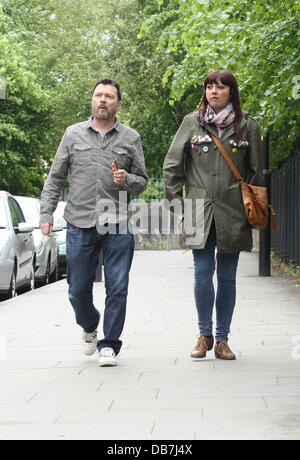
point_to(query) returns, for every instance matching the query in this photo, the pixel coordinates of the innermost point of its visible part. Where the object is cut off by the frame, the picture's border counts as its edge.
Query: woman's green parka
(208, 177)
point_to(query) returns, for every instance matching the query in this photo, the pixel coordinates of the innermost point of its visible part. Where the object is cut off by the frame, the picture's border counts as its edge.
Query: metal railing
(285, 193)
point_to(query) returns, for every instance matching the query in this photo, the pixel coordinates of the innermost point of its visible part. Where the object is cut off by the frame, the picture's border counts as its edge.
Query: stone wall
(152, 231)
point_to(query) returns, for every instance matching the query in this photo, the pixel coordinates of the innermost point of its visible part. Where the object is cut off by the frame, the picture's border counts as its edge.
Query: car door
(52, 243)
(24, 246)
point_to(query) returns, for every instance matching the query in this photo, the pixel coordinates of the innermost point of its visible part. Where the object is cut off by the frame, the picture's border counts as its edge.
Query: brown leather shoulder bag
(255, 198)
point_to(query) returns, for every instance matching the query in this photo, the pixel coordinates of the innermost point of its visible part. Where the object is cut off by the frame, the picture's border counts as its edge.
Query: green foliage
(154, 190)
(23, 107)
(69, 45)
(52, 52)
(257, 40)
(285, 268)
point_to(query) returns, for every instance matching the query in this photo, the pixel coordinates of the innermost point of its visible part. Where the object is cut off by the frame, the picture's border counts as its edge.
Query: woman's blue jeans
(204, 262)
(82, 253)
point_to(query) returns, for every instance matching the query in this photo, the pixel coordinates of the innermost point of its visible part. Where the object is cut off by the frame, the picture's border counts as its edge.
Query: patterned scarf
(222, 119)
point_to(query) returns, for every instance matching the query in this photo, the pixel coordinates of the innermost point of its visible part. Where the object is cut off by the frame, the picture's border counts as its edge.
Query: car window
(13, 214)
(3, 219)
(16, 213)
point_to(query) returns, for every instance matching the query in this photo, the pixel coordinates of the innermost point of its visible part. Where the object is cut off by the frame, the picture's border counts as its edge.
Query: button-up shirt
(93, 195)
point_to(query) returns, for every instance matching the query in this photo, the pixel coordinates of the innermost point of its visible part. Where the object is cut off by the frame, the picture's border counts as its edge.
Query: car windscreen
(60, 221)
(3, 219)
(58, 216)
(30, 212)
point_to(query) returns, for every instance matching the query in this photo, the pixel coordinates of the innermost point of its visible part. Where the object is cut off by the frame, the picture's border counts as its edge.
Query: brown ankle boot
(203, 345)
(223, 351)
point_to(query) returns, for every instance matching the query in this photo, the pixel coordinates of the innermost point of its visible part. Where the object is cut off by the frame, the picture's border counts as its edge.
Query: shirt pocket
(82, 154)
(121, 156)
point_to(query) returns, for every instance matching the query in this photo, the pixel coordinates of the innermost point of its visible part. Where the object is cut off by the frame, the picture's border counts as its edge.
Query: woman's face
(217, 95)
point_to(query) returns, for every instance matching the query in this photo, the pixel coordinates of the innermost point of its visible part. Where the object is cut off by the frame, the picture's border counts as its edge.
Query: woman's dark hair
(109, 81)
(228, 79)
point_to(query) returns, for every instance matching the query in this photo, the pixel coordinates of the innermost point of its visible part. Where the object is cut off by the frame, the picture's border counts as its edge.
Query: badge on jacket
(199, 144)
(238, 145)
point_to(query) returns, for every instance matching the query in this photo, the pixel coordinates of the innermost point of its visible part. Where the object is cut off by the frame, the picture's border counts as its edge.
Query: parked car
(17, 252)
(46, 247)
(61, 239)
(61, 236)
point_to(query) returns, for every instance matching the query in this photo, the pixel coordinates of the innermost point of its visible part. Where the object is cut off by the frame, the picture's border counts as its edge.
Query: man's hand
(120, 176)
(46, 229)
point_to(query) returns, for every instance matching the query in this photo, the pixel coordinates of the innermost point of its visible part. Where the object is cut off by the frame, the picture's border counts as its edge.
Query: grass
(285, 268)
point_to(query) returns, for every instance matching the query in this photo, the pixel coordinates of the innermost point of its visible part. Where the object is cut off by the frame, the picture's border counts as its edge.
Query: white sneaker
(107, 357)
(89, 342)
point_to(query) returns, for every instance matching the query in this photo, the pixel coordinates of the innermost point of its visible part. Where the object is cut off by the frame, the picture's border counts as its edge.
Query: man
(88, 150)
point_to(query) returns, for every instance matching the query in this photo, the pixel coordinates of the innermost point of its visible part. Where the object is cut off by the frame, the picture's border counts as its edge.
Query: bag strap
(239, 177)
(227, 159)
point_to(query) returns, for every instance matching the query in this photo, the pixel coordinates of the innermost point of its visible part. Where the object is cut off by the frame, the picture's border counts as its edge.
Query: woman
(194, 160)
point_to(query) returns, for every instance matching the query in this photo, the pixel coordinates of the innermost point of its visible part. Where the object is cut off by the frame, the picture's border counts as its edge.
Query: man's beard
(101, 115)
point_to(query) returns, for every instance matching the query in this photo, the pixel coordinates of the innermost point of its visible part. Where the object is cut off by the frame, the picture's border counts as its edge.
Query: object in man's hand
(115, 165)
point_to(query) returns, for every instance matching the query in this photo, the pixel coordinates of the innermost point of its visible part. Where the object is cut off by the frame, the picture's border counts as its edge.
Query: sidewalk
(49, 390)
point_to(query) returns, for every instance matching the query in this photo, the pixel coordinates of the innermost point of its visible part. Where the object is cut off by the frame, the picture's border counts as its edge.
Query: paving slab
(49, 390)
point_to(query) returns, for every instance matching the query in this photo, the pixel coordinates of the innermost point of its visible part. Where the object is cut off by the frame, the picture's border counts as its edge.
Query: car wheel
(54, 275)
(32, 278)
(46, 279)
(12, 292)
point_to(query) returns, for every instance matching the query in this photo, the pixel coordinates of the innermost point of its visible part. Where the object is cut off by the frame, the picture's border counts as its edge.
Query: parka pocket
(196, 193)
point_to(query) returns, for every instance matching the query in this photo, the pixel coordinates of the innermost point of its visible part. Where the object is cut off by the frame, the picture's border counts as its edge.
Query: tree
(52, 53)
(23, 107)
(136, 63)
(257, 40)
(70, 44)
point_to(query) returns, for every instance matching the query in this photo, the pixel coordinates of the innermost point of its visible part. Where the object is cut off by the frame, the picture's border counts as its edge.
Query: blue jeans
(204, 262)
(82, 253)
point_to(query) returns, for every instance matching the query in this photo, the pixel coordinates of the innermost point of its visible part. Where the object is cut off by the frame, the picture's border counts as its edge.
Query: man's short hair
(109, 81)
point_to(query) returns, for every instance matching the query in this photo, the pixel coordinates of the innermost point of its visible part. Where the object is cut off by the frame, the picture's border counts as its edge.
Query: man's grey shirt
(88, 155)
